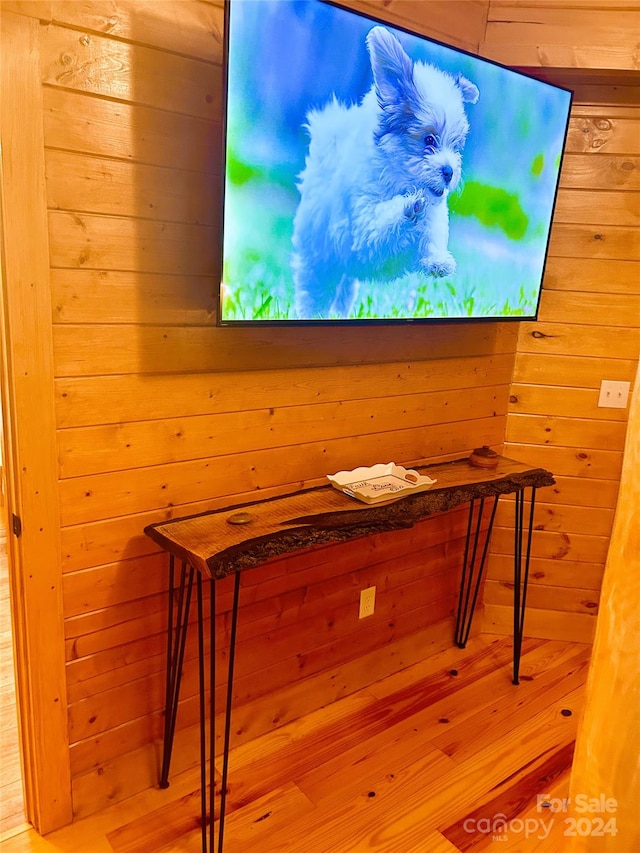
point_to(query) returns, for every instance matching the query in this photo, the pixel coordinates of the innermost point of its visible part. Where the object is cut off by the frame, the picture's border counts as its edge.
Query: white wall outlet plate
(613, 395)
(367, 602)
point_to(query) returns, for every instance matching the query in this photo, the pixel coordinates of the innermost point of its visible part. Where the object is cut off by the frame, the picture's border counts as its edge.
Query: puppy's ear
(392, 70)
(470, 93)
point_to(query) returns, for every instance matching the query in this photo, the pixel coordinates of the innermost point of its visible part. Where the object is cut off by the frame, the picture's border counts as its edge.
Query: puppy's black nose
(447, 174)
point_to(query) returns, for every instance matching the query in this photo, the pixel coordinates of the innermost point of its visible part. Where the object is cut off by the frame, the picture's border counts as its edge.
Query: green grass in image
(258, 283)
(257, 276)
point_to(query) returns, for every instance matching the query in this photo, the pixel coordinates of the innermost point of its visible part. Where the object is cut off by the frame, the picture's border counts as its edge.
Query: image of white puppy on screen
(377, 176)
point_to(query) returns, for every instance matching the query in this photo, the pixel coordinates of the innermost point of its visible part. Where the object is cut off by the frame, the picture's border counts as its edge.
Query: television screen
(375, 175)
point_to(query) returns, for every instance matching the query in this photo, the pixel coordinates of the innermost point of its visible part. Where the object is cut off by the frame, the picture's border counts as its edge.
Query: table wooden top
(217, 546)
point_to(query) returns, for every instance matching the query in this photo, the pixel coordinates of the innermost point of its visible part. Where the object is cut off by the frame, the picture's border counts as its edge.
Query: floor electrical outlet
(367, 601)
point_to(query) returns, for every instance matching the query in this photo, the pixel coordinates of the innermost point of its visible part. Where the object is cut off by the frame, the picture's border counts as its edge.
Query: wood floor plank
(483, 646)
(548, 835)
(275, 811)
(514, 708)
(418, 798)
(422, 730)
(157, 828)
(332, 731)
(343, 821)
(434, 842)
(160, 830)
(499, 817)
(395, 768)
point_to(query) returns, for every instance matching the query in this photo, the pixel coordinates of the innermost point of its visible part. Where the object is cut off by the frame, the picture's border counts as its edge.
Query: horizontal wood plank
(578, 627)
(436, 20)
(499, 8)
(568, 339)
(92, 450)
(87, 184)
(598, 207)
(561, 516)
(586, 241)
(599, 131)
(578, 371)
(566, 432)
(594, 110)
(548, 572)
(582, 492)
(104, 542)
(591, 274)
(89, 241)
(130, 72)
(528, 35)
(93, 400)
(603, 466)
(79, 296)
(79, 123)
(505, 49)
(564, 599)
(605, 172)
(206, 348)
(562, 402)
(102, 496)
(580, 547)
(619, 309)
(195, 32)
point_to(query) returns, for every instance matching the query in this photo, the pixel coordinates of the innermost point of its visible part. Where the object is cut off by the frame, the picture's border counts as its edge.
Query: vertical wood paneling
(28, 372)
(609, 733)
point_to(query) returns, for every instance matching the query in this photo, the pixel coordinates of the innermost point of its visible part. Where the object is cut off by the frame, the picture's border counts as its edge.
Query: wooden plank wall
(564, 34)
(159, 413)
(589, 321)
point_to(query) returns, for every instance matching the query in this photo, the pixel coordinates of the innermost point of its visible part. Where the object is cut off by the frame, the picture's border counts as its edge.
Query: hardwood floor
(430, 760)
(12, 814)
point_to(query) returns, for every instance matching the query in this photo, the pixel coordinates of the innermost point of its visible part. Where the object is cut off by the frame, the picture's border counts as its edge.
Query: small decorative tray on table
(380, 483)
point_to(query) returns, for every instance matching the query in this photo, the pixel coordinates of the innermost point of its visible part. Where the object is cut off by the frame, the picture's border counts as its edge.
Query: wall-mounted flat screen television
(375, 175)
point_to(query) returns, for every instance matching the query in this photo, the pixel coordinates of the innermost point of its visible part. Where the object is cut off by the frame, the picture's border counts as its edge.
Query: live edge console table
(215, 544)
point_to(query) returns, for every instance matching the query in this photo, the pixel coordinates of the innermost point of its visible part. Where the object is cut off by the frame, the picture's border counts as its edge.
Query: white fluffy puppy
(373, 193)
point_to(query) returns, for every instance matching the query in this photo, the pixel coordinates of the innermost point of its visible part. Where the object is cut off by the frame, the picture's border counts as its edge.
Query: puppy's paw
(414, 206)
(440, 265)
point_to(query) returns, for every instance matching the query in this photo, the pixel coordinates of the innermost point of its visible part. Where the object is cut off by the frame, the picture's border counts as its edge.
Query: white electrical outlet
(367, 602)
(613, 395)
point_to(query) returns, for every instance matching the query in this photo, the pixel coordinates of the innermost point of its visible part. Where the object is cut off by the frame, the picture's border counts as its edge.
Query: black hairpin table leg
(207, 803)
(177, 623)
(472, 569)
(202, 715)
(520, 579)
